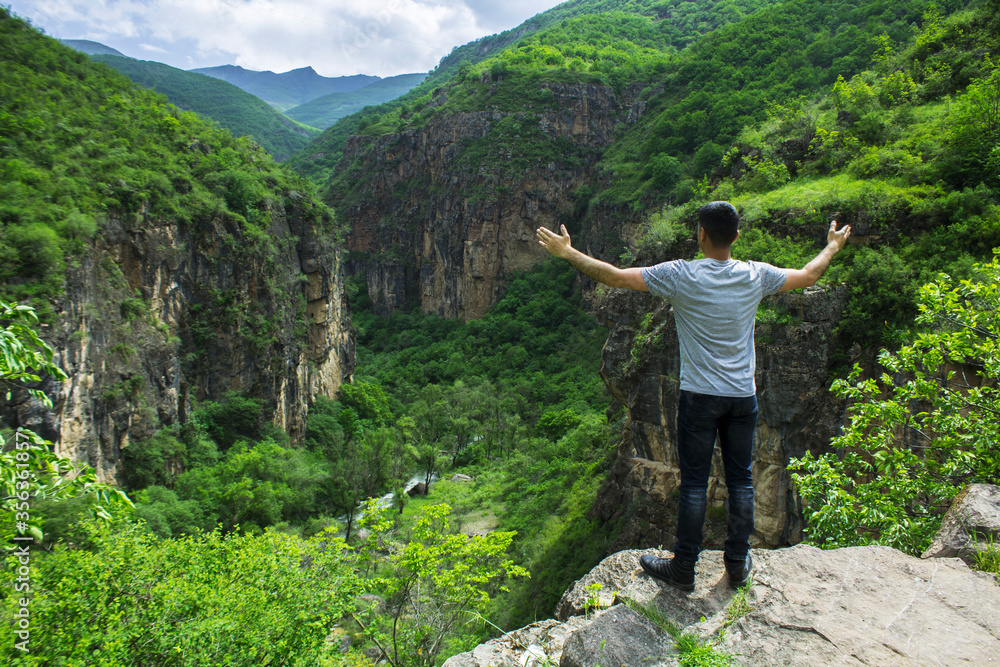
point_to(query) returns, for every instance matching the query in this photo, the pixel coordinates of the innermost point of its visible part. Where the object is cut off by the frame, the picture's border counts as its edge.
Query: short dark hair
(721, 221)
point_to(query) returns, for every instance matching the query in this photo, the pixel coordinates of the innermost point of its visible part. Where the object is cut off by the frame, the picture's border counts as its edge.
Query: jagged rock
(971, 525)
(470, 224)
(859, 605)
(520, 648)
(151, 321)
(611, 576)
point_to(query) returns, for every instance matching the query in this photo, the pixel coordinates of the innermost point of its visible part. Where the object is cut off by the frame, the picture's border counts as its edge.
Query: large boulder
(970, 526)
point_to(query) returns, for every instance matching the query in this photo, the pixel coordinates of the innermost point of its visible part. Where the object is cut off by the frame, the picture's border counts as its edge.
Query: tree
(920, 431)
(29, 468)
(359, 470)
(434, 585)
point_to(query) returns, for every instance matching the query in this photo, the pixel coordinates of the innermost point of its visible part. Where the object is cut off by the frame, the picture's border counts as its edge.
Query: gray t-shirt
(715, 303)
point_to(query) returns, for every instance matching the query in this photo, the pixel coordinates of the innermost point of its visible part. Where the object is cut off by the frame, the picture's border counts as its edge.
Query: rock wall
(160, 315)
(641, 366)
(429, 227)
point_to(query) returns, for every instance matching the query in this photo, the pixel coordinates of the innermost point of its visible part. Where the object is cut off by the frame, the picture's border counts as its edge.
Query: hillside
(287, 89)
(170, 262)
(323, 112)
(602, 122)
(230, 107)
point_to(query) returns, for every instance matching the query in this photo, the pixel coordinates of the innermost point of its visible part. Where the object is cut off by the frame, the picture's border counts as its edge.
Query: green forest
(229, 542)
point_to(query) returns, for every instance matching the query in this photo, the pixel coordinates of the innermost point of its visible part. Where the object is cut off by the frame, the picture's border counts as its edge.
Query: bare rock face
(804, 606)
(447, 242)
(970, 526)
(161, 314)
(641, 366)
(866, 605)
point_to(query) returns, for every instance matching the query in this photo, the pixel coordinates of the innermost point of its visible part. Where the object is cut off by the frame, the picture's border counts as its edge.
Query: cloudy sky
(335, 37)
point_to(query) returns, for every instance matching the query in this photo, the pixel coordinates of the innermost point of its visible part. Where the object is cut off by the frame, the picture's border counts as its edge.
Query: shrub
(919, 431)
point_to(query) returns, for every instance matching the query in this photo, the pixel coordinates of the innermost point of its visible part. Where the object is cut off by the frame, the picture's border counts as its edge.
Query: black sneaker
(677, 574)
(739, 572)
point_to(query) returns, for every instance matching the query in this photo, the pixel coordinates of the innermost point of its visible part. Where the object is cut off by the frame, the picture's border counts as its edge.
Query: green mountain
(239, 112)
(288, 89)
(327, 110)
(92, 48)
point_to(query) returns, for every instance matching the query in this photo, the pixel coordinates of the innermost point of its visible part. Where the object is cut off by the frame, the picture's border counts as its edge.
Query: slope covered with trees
(80, 142)
(231, 108)
(681, 23)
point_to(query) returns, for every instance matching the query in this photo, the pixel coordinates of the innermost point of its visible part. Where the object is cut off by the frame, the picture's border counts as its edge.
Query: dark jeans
(699, 419)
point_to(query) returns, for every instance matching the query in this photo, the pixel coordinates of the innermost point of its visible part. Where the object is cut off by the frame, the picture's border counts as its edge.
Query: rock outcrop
(641, 366)
(161, 314)
(972, 525)
(433, 225)
(804, 606)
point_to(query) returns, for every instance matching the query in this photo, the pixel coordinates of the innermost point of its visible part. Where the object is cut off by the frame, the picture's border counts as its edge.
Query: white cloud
(336, 37)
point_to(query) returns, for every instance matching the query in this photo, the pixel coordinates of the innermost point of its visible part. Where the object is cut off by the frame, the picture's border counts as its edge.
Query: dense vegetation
(231, 108)
(917, 437)
(900, 151)
(327, 110)
(80, 144)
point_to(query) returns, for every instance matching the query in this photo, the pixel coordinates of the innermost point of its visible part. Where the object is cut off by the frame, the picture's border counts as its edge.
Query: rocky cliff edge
(805, 606)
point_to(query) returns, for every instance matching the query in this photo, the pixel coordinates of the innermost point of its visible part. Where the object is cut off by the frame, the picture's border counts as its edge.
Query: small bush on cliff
(919, 432)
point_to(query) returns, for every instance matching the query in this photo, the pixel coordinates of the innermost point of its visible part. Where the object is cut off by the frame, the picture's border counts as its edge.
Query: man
(715, 302)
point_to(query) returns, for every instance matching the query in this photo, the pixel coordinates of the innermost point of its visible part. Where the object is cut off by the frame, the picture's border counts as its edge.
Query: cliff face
(160, 315)
(641, 367)
(447, 210)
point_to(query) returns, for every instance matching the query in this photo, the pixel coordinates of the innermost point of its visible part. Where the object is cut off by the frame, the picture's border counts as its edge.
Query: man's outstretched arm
(817, 266)
(559, 245)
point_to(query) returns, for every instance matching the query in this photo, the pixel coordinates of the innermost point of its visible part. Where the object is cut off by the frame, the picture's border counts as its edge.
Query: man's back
(715, 303)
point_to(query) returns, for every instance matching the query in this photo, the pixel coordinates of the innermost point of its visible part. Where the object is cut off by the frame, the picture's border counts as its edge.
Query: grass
(739, 606)
(809, 199)
(692, 650)
(988, 560)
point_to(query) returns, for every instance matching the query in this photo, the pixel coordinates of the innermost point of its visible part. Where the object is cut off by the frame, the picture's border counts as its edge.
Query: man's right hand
(557, 244)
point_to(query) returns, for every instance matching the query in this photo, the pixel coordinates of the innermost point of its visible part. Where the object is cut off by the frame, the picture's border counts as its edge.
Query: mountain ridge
(286, 90)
